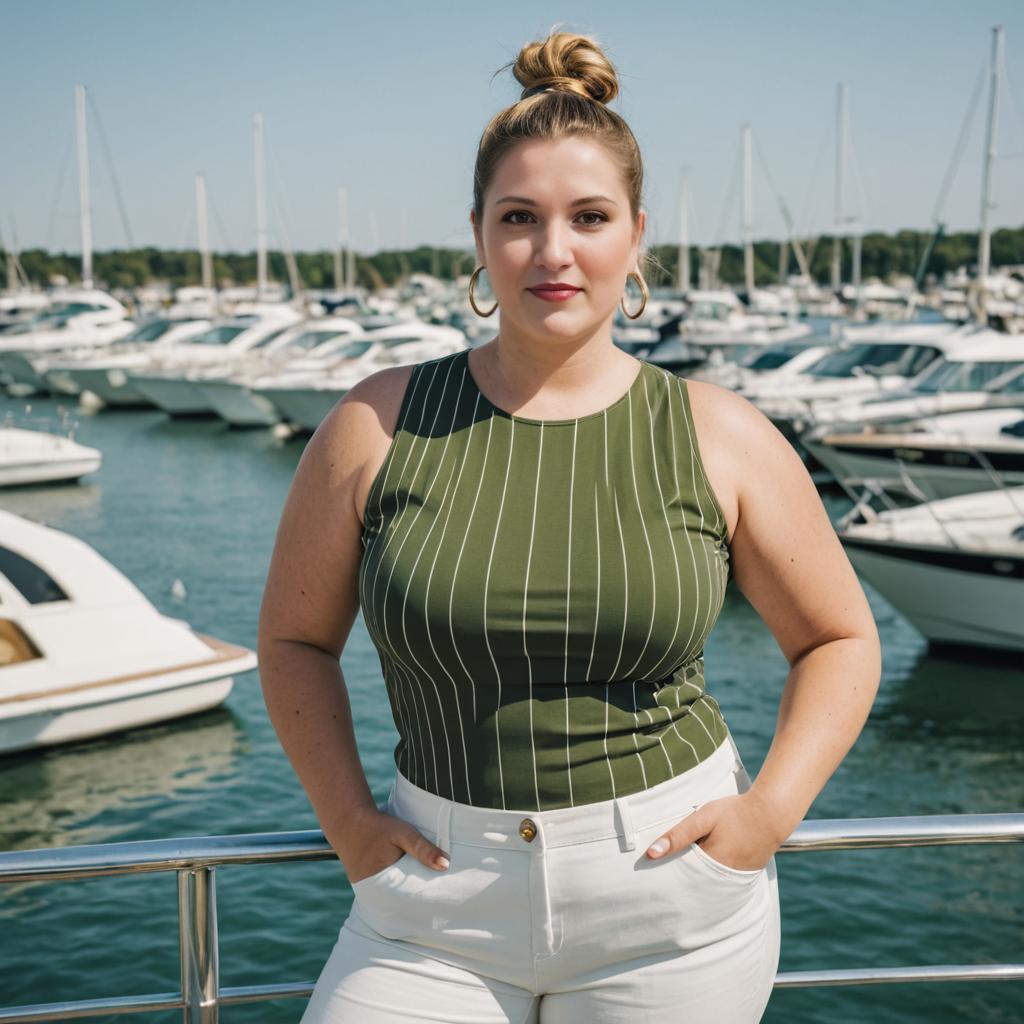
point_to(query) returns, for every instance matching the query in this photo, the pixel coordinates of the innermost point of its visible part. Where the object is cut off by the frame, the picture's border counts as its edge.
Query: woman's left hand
(737, 831)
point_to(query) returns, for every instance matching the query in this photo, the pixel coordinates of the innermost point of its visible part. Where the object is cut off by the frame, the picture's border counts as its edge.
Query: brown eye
(593, 213)
(514, 213)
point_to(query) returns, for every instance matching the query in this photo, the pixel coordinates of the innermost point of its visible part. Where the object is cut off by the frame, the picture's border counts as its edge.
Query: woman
(539, 532)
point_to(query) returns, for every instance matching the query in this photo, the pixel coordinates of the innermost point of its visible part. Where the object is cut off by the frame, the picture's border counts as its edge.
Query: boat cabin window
(876, 359)
(35, 585)
(262, 343)
(218, 335)
(15, 646)
(151, 331)
(944, 375)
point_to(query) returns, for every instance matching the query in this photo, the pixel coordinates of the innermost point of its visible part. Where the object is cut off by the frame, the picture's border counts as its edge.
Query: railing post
(199, 954)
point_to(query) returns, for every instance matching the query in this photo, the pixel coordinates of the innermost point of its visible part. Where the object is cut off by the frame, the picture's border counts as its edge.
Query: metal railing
(196, 859)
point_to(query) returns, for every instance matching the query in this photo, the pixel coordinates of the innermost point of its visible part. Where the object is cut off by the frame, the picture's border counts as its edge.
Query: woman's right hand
(374, 839)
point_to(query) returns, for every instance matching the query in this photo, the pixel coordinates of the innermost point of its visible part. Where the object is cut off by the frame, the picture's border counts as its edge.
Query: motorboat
(937, 456)
(38, 457)
(859, 369)
(75, 319)
(963, 378)
(168, 382)
(717, 318)
(953, 567)
(308, 348)
(303, 400)
(756, 366)
(104, 373)
(84, 653)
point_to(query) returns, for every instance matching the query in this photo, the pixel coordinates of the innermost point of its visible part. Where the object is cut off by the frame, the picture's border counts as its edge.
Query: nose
(554, 250)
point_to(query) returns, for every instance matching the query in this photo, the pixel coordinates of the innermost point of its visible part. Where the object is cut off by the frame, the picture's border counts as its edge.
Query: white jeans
(575, 925)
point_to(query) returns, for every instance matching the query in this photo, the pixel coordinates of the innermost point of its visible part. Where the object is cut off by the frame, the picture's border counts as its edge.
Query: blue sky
(389, 100)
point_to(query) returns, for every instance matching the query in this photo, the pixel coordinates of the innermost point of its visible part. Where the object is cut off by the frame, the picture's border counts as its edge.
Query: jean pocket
(725, 870)
(377, 875)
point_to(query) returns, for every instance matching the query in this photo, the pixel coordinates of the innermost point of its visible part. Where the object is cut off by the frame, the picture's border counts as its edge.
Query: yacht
(937, 456)
(76, 319)
(39, 457)
(304, 399)
(852, 370)
(170, 383)
(309, 348)
(963, 378)
(83, 652)
(953, 567)
(103, 373)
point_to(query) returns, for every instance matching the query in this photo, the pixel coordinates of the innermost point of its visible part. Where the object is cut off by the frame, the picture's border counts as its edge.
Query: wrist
(777, 816)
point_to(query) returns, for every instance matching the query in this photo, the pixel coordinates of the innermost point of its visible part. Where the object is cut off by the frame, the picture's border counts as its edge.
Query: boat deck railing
(195, 860)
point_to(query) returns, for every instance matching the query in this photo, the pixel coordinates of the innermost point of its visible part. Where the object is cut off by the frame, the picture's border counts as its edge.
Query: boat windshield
(219, 335)
(876, 359)
(311, 339)
(1011, 383)
(151, 331)
(770, 358)
(55, 316)
(949, 376)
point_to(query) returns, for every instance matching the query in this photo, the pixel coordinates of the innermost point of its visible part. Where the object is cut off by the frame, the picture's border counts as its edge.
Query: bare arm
(310, 602)
(789, 563)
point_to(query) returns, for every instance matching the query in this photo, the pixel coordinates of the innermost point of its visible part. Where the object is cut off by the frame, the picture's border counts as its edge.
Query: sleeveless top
(539, 592)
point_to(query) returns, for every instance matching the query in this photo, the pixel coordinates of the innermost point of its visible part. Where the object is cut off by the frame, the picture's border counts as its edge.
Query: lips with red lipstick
(554, 291)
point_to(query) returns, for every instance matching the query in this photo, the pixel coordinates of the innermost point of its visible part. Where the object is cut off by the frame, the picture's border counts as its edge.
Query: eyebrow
(576, 202)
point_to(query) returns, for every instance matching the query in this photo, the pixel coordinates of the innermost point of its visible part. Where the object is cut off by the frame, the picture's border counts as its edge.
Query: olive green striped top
(539, 592)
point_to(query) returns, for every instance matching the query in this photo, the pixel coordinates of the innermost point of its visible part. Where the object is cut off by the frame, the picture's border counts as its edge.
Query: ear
(478, 239)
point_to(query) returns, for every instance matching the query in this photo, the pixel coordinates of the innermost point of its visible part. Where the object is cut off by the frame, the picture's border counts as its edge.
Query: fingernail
(442, 862)
(660, 846)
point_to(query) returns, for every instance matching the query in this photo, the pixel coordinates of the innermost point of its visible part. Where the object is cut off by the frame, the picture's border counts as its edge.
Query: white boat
(83, 652)
(37, 457)
(954, 567)
(962, 379)
(308, 348)
(718, 318)
(170, 386)
(934, 457)
(760, 366)
(83, 318)
(104, 372)
(304, 399)
(852, 370)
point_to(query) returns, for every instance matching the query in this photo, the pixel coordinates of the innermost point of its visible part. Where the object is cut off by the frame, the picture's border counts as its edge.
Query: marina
(158, 858)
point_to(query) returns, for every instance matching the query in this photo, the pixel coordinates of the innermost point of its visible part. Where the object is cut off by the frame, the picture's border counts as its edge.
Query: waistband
(561, 826)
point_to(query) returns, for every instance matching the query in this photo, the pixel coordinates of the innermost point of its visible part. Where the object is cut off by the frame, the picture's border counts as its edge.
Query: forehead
(557, 170)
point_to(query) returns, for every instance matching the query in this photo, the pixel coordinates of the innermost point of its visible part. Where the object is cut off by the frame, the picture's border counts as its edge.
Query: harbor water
(196, 502)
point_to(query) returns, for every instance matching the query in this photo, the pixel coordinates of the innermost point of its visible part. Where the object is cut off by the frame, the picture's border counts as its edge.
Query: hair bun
(567, 62)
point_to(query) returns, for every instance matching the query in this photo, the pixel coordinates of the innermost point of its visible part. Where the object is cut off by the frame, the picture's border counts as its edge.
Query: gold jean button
(527, 829)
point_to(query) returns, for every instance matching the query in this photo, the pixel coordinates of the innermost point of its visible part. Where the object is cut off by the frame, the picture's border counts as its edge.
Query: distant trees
(881, 256)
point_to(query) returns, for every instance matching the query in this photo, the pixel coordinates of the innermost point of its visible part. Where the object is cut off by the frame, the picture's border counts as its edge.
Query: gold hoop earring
(643, 289)
(472, 301)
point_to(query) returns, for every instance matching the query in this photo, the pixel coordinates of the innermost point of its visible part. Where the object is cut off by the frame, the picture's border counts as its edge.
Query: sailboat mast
(984, 235)
(748, 215)
(85, 212)
(837, 240)
(205, 257)
(683, 275)
(340, 284)
(261, 209)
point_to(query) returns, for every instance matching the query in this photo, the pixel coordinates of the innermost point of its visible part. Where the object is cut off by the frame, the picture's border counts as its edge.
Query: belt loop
(444, 818)
(625, 821)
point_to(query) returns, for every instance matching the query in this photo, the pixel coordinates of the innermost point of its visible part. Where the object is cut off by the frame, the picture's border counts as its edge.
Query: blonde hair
(567, 83)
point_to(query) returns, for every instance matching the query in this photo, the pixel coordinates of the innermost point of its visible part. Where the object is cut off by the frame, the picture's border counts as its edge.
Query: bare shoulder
(355, 435)
(739, 446)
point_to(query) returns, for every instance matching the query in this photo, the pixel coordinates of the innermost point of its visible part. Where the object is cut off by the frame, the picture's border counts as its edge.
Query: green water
(197, 502)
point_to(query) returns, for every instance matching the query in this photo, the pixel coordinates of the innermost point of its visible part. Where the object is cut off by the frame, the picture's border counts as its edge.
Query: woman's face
(557, 211)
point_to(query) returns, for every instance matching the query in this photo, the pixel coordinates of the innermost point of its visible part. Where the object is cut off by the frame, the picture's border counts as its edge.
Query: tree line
(882, 256)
